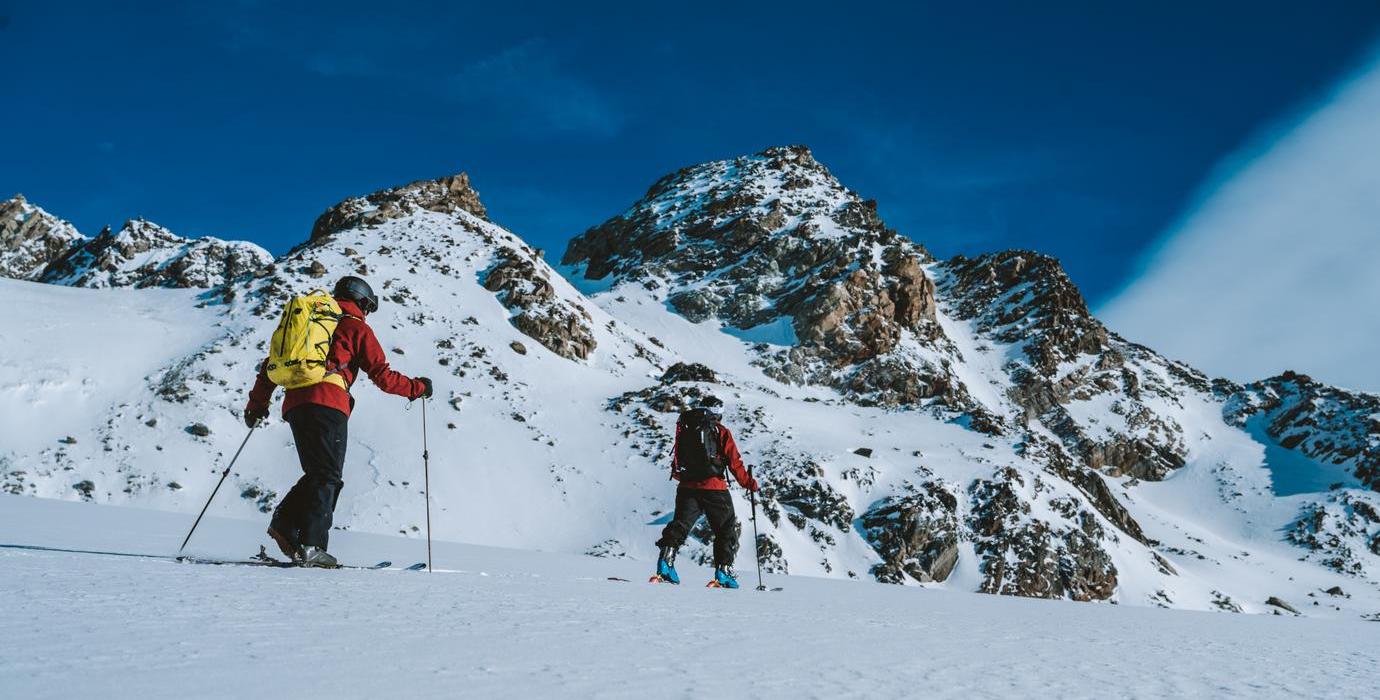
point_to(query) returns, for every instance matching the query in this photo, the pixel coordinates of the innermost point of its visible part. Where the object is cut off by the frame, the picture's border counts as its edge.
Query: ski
(277, 564)
(419, 566)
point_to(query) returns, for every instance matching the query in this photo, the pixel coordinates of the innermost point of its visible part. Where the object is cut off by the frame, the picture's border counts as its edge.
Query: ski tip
(419, 566)
(615, 578)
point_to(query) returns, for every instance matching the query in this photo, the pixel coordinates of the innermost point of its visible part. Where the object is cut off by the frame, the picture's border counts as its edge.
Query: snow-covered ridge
(34, 245)
(965, 424)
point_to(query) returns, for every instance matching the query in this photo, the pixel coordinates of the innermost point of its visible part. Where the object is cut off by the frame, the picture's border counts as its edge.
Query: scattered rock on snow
(1278, 603)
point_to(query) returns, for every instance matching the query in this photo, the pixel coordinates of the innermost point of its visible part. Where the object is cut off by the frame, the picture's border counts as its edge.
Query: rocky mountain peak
(756, 239)
(446, 195)
(31, 238)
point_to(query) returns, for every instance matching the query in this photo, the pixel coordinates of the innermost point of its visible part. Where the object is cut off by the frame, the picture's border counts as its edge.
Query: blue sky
(1082, 130)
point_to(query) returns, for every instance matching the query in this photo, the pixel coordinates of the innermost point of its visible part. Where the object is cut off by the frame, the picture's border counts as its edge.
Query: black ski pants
(305, 514)
(717, 506)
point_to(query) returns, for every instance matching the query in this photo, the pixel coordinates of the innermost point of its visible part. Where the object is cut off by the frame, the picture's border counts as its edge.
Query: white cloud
(1278, 266)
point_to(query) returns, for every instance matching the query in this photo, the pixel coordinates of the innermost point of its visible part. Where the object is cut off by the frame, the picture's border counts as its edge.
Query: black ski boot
(315, 558)
(287, 544)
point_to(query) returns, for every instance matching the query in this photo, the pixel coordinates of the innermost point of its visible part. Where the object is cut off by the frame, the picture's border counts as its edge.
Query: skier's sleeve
(370, 359)
(262, 392)
(735, 460)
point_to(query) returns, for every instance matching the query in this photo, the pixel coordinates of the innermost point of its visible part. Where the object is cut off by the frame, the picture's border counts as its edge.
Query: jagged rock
(1021, 296)
(31, 239)
(198, 429)
(445, 195)
(1325, 423)
(561, 327)
(144, 254)
(1336, 531)
(802, 493)
(689, 372)
(316, 269)
(518, 348)
(916, 535)
(1032, 557)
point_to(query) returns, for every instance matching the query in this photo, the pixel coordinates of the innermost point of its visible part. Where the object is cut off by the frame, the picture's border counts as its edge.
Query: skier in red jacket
(703, 450)
(319, 415)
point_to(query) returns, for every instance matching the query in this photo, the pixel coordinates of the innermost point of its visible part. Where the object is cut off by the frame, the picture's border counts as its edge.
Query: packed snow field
(496, 622)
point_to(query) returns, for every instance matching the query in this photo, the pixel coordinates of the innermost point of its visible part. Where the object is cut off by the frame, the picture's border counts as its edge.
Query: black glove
(426, 390)
(253, 416)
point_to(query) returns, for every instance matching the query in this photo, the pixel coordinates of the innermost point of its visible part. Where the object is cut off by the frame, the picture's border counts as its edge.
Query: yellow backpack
(297, 355)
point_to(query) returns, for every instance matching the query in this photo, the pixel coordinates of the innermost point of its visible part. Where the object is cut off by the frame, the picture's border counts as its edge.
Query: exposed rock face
(917, 535)
(144, 254)
(752, 240)
(538, 312)
(1033, 557)
(1026, 300)
(1341, 532)
(1325, 423)
(31, 239)
(445, 195)
(1024, 297)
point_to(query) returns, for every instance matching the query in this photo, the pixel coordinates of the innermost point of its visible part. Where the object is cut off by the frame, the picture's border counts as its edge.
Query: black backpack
(699, 455)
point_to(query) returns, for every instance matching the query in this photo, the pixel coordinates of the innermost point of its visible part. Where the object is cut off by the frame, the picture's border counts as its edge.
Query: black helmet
(712, 405)
(358, 291)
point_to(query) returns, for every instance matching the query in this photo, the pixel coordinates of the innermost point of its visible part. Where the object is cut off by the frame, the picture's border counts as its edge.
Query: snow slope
(1048, 457)
(499, 623)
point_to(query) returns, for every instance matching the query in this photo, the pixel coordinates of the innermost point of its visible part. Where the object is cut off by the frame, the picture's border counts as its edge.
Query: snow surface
(505, 623)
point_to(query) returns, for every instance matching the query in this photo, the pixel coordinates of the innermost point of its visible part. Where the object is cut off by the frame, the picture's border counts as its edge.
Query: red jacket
(728, 452)
(353, 349)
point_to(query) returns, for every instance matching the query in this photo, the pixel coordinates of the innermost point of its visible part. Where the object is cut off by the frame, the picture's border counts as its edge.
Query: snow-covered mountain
(965, 423)
(35, 245)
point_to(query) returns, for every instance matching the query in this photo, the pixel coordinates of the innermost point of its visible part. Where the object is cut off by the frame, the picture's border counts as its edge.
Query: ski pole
(223, 474)
(426, 486)
(756, 551)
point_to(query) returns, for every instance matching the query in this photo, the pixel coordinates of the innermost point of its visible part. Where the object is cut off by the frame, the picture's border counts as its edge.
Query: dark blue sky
(1081, 130)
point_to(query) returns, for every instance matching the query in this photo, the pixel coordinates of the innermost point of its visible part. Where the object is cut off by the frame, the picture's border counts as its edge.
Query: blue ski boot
(666, 567)
(723, 578)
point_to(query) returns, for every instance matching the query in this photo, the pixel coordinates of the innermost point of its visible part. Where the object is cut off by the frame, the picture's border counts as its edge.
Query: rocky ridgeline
(144, 254)
(445, 195)
(1330, 425)
(35, 245)
(31, 239)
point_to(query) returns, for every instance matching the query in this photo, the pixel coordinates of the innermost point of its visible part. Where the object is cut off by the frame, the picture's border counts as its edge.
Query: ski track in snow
(508, 623)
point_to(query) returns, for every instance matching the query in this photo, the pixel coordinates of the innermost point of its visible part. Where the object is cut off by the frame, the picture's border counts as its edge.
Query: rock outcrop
(31, 239)
(538, 312)
(445, 195)
(916, 535)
